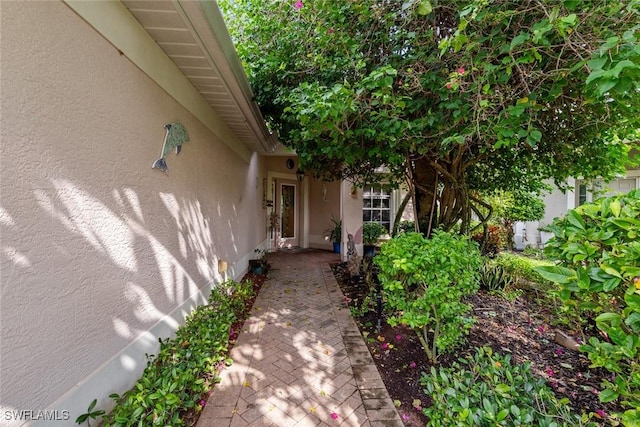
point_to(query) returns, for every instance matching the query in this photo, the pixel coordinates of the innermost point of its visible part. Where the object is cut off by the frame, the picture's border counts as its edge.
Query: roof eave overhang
(206, 23)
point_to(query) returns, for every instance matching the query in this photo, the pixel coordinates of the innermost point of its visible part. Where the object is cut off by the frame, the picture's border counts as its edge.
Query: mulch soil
(522, 327)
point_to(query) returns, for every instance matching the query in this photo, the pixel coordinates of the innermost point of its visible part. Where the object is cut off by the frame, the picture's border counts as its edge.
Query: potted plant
(260, 265)
(371, 232)
(335, 234)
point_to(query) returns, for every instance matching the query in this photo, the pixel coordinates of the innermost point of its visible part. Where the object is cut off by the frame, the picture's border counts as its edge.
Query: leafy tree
(452, 96)
(510, 207)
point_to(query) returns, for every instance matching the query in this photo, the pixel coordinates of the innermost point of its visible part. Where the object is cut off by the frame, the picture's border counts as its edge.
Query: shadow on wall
(77, 269)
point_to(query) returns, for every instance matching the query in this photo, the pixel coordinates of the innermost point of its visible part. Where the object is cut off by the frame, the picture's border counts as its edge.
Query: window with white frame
(377, 206)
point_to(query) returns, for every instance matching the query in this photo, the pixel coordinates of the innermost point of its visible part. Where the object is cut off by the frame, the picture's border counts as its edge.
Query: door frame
(280, 185)
(302, 205)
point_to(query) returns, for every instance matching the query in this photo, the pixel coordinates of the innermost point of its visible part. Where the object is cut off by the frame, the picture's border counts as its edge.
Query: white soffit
(194, 37)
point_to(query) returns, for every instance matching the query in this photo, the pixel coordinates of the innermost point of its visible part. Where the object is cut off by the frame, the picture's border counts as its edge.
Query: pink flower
(540, 329)
(331, 30)
(298, 5)
(412, 365)
(385, 346)
(203, 403)
(549, 371)
(559, 351)
(461, 70)
(334, 415)
(398, 337)
(405, 417)
(601, 414)
(449, 85)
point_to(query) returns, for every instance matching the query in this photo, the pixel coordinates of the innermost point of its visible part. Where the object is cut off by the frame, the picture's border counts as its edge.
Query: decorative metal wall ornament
(175, 136)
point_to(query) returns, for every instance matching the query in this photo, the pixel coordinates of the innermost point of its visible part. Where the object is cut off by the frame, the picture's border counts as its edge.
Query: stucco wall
(101, 254)
(322, 209)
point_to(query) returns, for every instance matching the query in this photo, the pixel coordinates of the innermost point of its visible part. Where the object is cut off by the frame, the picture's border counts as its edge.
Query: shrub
(186, 366)
(597, 246)
(510, 207)
(521, 267)
(496, 239)
(425, 281)
(531, 251)
(485, 389)
(406, 226)
(494, 278)
(371, 232)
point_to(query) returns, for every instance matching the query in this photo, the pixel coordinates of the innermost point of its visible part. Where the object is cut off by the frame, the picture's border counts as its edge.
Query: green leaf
(633, 301)
(610, 284)
(621, 66)
(570, 19)
(633, 321)
(464, 414)
(597, 63)
(536, 135)
(488, 407)
(503, 389)
(575, 219)
(610, 270)
(606, 85)
(607, 317)
(615, 208)
(425, 8)
(608, 396)
(557, 274)
(518, 40)
(572, 4)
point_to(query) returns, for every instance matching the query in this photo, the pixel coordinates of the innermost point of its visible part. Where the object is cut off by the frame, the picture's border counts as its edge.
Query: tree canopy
(452, 96)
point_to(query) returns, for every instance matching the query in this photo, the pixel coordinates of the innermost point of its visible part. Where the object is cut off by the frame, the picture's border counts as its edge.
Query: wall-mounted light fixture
(300, 174)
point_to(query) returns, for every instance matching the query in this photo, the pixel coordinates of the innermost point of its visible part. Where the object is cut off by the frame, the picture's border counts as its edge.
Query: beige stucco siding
(322, 209)
(99, 251)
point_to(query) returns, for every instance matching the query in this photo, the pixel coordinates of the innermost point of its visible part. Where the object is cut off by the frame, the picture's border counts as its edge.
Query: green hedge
(186, 366)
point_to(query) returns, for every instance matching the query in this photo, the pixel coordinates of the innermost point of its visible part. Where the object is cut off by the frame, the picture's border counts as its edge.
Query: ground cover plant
(485, 389)
(177, 381)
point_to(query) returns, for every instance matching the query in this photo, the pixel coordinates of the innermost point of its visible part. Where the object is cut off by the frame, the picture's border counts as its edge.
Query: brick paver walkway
(300, 359)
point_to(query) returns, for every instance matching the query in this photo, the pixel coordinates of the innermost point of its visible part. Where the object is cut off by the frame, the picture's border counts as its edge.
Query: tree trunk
(442, 198)
(399, 212)
(425, 183)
